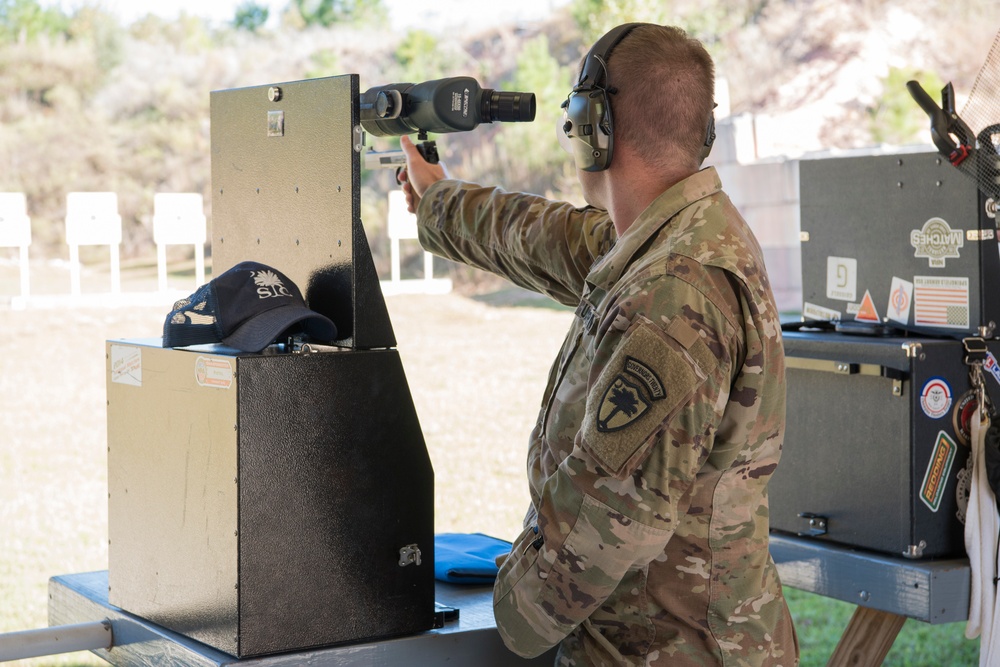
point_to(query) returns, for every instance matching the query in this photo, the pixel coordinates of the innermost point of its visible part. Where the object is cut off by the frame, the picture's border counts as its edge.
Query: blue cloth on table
(467, 558)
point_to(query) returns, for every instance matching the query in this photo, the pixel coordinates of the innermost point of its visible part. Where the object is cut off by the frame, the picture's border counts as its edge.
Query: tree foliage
(596, 17)
(531, 150)
(251, 16)
(895, 118)
(93, 105)
(326, 13)
(26, 21)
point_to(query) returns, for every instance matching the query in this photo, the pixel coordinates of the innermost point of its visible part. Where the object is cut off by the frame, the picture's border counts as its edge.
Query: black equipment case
(904, 239)
(877, 442)
(900, 260)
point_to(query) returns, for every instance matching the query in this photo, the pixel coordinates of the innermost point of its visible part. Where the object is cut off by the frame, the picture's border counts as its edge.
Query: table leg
(867, 638)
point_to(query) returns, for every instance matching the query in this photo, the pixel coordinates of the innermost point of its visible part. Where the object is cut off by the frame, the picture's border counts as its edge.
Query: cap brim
(260, 331)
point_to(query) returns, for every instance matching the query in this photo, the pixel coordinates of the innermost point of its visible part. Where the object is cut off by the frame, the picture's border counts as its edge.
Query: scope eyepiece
(456, 104)
(508, 107)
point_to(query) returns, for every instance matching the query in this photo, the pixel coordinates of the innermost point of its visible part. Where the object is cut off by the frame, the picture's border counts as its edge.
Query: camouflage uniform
(662, 421)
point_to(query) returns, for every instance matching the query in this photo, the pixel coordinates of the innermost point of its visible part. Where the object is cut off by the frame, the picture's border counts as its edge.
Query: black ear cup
(709, 136)
(588, 130)
(587, 118)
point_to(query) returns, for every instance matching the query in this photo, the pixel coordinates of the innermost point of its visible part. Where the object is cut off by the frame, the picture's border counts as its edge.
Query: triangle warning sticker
(867, 312)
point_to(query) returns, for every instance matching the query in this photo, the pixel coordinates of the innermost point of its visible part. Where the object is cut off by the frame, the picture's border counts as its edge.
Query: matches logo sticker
(936, 477)
(936, 241)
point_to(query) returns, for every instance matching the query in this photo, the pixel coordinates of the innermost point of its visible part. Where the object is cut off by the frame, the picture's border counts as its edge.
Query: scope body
(456, 104)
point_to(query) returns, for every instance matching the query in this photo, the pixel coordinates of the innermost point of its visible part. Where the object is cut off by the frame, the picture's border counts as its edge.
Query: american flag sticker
(941, 302)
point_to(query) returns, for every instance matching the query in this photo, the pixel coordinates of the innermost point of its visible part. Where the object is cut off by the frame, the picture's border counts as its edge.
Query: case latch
(409, 554)
(813, 525)
(915, 550)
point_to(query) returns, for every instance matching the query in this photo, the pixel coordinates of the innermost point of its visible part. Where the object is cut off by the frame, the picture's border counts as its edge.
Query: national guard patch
(630, 400)
(623, 403)
(647, 376)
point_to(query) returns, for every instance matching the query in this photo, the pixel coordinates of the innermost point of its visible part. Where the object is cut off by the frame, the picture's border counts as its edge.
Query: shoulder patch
(623, 404)
(647, 378)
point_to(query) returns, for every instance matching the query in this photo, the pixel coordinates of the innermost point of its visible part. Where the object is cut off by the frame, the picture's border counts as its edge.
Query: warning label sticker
(867, 311)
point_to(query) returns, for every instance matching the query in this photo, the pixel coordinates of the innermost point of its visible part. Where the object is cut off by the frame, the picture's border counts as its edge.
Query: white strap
(982, 524)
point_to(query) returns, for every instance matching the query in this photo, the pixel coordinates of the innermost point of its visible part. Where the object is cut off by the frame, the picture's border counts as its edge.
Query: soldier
(647, 538)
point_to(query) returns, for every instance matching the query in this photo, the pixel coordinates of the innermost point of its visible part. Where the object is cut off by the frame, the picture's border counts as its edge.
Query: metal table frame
(472, 639)
(887, 591)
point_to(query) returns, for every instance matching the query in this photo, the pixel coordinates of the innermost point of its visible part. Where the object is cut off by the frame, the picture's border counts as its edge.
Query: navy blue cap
(246, 308)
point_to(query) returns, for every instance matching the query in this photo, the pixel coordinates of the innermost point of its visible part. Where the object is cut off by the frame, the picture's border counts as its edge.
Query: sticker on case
(961, 416)
(941, 301)
(935, 398)
(213, 372)
(937, 242)
(842, 278)
(126, 365)
(936, 477)
(867, 311)
(992, 366)
(810, 311)
(900, 300)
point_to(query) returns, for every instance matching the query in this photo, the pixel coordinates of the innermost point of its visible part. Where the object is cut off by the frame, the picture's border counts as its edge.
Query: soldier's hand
(418, 175)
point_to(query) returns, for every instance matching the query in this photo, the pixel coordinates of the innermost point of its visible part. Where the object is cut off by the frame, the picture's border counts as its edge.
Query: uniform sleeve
(538, 244)
(654, 397)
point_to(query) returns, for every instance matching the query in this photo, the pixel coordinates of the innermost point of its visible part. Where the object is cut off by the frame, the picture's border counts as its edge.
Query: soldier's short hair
(666, 87)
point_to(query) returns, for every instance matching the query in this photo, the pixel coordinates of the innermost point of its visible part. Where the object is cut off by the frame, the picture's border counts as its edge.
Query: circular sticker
(935, 398)
(961, 416)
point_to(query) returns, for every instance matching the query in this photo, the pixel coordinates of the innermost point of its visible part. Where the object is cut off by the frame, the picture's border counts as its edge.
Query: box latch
(811, 525)
(409, 554)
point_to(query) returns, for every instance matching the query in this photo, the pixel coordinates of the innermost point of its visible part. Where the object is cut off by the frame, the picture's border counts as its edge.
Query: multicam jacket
(662, 421)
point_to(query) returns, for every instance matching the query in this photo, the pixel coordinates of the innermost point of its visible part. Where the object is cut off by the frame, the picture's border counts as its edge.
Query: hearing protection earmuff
(587, 120)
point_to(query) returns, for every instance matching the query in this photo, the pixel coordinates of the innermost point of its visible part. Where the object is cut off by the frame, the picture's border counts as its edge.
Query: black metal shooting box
(876, 443)
(900, 251)
(273, 502)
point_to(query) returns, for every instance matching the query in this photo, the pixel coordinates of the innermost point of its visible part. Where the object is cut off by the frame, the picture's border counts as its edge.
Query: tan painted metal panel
(172, 483)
